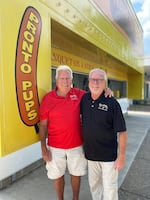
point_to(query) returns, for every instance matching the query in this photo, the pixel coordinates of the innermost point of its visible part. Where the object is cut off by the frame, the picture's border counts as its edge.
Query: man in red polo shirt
(60, 120)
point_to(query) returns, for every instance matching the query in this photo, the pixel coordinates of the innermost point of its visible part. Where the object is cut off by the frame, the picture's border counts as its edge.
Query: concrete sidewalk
(136, 185)
(134, 180)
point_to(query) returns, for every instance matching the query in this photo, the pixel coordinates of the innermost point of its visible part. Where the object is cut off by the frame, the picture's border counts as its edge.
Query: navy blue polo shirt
(102, 119)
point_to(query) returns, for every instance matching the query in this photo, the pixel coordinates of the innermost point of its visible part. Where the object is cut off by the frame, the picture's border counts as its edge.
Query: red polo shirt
(63, 115)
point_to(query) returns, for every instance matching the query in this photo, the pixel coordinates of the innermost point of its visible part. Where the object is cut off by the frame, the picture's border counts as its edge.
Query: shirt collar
(55, 92)
(90, 98)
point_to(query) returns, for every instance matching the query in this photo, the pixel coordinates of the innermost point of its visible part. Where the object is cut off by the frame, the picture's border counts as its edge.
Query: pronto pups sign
(26, 66)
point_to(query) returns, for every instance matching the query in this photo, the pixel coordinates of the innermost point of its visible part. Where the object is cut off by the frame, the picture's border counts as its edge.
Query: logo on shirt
(103, 107)
(73, 97)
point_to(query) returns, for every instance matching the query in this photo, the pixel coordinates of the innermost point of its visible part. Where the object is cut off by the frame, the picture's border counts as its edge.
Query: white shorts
(73, 159)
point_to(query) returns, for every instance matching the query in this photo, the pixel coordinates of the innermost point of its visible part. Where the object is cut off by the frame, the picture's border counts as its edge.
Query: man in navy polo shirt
(104, 135)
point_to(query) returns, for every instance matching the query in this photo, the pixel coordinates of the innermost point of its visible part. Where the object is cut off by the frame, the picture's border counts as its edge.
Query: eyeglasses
(93, 80)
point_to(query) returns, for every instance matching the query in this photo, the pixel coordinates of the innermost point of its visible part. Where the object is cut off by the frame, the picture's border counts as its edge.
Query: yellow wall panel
(135, 86)
(17, 125)
(88, 21)
(81, 65)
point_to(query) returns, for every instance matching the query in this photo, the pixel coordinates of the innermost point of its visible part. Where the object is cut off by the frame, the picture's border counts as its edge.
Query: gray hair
(100, 71)
(64, 67)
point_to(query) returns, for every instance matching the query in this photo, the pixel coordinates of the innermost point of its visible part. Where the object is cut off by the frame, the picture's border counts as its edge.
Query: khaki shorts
(73, 159)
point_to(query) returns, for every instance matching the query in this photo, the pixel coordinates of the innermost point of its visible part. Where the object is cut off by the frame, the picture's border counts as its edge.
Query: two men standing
(102, 119)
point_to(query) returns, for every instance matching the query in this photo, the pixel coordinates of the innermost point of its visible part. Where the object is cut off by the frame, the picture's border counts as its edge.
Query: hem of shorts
(77, 174)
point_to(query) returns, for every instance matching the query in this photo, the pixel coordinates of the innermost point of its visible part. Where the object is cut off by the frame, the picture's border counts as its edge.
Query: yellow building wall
(79, 64)
(80, 42)
(135, 86)
(66, 44)
(91, 23)
(14, 132)
(87, 20)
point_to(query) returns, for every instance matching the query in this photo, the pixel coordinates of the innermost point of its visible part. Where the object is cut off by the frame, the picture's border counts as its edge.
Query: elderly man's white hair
(64, 67)
(100, 71)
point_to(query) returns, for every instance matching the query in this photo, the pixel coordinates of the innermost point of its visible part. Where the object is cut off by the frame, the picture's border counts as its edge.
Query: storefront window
(119, 88)
(79, 80)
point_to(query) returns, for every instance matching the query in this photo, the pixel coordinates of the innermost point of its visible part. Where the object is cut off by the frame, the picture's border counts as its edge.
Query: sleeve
(43, 113)
(81, 102)
(81, 92)
(118, 118)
